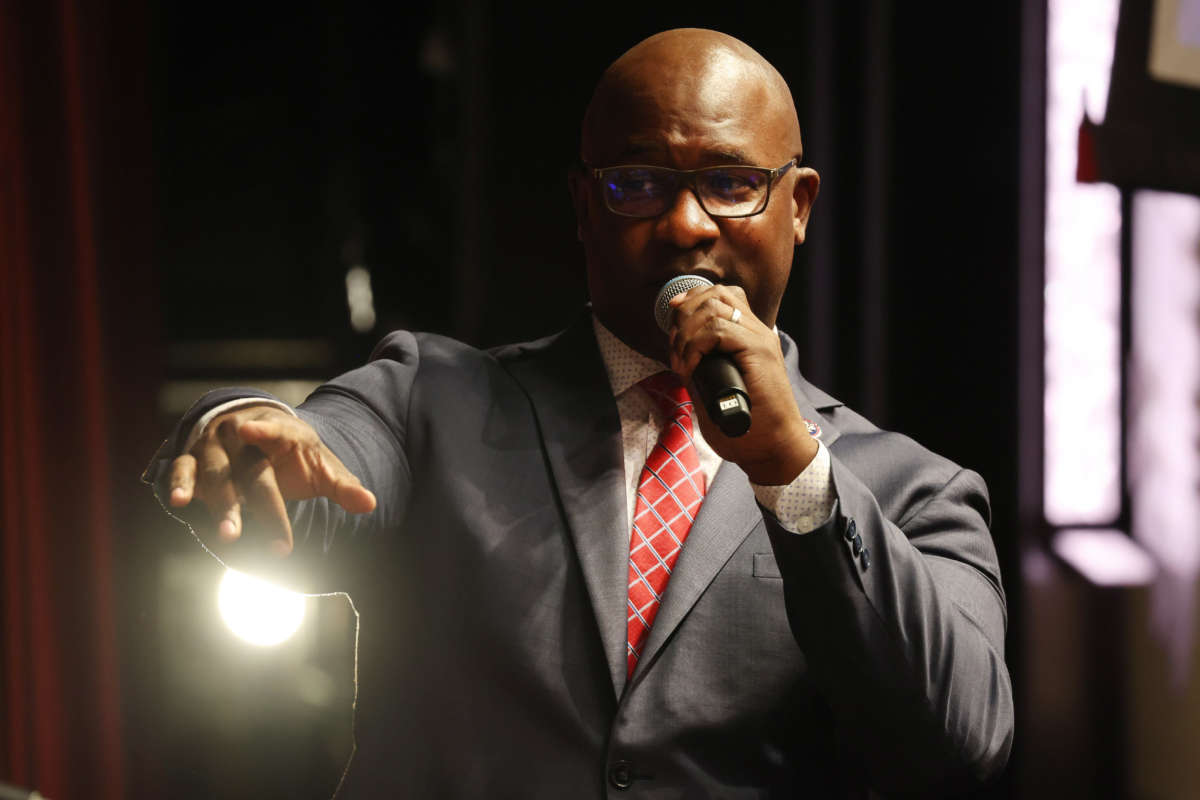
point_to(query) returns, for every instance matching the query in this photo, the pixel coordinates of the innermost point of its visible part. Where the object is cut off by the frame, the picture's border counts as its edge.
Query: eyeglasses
(636, 190)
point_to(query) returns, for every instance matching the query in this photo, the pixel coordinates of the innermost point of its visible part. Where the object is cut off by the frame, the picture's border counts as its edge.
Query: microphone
(719, 385)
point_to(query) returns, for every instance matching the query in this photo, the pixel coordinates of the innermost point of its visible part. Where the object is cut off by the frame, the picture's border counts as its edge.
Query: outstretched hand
(251, 461)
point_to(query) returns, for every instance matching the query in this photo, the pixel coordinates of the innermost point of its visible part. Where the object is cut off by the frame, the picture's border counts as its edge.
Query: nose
(686, 224)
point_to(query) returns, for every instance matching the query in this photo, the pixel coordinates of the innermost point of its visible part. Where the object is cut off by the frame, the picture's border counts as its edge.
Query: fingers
(247, 482)
(183, 480)
(351, 495)
(330, 478)
(703, 322)
(276, 437)
(695, 307)
(304, 466)
(266, 502)
(215, 487)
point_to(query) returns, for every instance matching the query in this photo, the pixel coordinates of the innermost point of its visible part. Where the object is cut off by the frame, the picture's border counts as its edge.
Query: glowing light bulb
(258, 612)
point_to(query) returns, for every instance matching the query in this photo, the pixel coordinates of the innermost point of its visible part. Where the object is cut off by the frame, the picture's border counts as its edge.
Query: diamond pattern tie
(669, 494)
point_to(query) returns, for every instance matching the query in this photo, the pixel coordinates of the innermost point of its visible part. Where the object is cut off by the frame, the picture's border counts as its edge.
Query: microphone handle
(722, 392)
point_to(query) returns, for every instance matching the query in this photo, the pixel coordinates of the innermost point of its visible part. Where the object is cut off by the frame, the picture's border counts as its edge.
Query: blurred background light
(1106, 557)
(1164, 457)
(360, 299)
(258, 612)
(1083, 277)
(1164, 437)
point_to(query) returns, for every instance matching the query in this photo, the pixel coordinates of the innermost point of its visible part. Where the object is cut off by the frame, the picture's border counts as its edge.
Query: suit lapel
(728, 514)
(565, 380)
(581, 432)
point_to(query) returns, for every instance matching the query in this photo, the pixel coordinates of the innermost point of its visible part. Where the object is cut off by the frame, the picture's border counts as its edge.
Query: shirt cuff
(231, 405)
(806, 503)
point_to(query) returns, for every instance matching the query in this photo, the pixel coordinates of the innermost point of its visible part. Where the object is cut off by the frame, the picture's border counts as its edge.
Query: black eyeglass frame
(687, 177)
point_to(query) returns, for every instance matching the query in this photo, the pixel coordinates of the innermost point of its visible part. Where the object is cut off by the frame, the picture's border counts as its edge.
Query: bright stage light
(258, 612)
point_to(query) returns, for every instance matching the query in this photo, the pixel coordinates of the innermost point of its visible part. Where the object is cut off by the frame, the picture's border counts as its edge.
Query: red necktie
(669, 494)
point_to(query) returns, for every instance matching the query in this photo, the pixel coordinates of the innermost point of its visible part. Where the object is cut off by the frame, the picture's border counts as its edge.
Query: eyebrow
(728, 156)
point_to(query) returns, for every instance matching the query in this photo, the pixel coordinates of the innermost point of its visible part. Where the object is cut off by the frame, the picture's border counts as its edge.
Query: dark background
(244, 156)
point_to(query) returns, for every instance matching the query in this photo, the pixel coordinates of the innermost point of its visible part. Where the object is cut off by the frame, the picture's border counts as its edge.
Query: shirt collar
(625, 366)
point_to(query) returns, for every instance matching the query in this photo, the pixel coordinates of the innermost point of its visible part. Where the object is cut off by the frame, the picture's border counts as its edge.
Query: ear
(578, 186)
(804, 193)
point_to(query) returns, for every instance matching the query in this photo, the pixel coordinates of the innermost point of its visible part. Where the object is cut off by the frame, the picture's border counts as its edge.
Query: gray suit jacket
(491, 587)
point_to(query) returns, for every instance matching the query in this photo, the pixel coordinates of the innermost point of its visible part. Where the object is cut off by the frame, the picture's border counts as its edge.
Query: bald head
(688, 100)
(689, 74)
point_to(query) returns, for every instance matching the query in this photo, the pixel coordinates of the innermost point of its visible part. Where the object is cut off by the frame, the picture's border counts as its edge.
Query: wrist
(786, 462)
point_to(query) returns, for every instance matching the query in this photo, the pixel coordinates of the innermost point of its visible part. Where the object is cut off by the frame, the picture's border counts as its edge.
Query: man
(813, 608)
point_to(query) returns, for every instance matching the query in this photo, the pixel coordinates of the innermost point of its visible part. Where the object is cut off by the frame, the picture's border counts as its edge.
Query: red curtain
(73, 365)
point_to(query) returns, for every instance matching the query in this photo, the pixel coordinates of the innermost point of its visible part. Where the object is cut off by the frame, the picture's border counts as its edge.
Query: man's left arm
(901, 622)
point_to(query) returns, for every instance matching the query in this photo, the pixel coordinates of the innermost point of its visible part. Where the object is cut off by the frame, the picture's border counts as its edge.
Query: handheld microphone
(719, 385)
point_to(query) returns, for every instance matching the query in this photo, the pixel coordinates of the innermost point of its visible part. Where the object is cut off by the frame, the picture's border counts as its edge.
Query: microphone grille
(677, 285)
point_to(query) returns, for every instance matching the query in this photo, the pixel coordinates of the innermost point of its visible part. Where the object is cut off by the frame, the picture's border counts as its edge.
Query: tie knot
(670, 394)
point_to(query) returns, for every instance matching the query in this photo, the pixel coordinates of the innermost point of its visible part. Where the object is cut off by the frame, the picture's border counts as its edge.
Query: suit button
(858, 545)
(866, 558)
(620, 775)
(851, 531)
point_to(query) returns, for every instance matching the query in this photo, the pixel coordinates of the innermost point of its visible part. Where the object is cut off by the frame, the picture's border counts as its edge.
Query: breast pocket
(765, 566)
